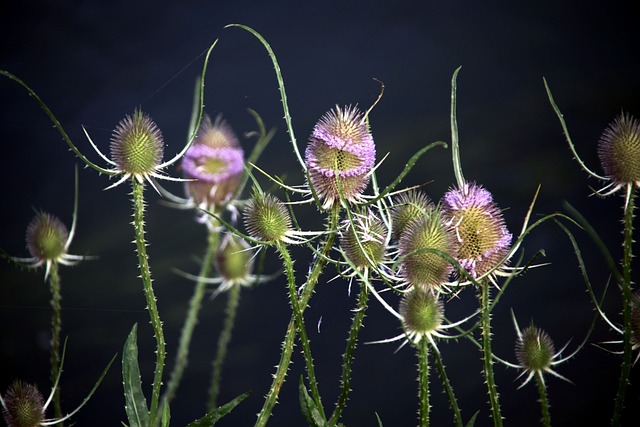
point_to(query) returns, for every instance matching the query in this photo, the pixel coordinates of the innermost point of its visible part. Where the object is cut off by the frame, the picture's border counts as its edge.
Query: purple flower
(483, 238)
(214, 162)
(340, 155)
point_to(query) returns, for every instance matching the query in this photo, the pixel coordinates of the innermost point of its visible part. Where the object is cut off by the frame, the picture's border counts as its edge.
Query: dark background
(94, 62)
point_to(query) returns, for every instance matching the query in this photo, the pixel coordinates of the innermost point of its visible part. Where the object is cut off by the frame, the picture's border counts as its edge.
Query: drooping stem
(487, 355)
(299, 321)
(56, 328)
(347, 358)
(290, 336)
(544, 400)
(626, 311)
(195, 304)
(457, 416)
(223, 344)
(423, 382)
(137, 195)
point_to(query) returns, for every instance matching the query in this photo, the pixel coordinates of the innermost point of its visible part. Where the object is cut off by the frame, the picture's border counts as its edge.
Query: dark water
(94, 63)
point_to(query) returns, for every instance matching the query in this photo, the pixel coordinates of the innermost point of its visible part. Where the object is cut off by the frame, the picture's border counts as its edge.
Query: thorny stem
(348, 354)
(487, 355)
(544, 400)
(223, 344)
(626, 311)
(56, 328)
(152, 308)
(289, 339)
(182, 356)
(423, 380)
(457, 416)
(299, 321)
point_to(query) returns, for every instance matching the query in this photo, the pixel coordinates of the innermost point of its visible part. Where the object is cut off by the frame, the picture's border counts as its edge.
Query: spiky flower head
(535, 350)
(267, 219)
(214, 163)
(234, 260)
(483, 238)
(418, 266)
(408, 207)
(364, 240)
(340, 155)
(137, 146)
(619, 151)
(23, 405)
(46, 237)
(422, 314)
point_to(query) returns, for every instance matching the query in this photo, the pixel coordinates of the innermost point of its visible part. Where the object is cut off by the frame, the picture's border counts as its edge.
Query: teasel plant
(136, 149)
(619, 154)
(48, 241)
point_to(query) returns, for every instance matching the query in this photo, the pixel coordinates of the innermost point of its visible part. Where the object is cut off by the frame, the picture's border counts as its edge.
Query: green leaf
(309, 408)
(214, 416)
(135, 402)
(166, 415)
(379, 420)
(472, 421)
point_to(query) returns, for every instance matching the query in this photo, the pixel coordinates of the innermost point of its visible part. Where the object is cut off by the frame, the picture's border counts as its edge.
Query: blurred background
(94, 62)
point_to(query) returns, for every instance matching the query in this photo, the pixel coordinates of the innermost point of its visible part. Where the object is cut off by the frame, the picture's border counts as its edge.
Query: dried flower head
(266, 219)
(48, 241)
(619, 152)
(136, 145)
(340, 155)
(214, 164)
(364, 240)
(408, 207)
(234, 261)
(419, 266)
(536, 353)
(482, 236)
(422, 314)
(23, 405)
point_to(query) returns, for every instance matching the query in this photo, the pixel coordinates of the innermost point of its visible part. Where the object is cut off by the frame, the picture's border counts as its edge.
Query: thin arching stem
(457, 416)
(137, 197)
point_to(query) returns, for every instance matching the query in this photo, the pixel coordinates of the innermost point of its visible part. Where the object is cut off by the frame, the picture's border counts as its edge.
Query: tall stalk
(423, 382)
(626, 311)
(137, 198)
(56, 328)
(487, 355)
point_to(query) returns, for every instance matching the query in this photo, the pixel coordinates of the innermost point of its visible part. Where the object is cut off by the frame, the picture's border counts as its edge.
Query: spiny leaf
(214, 416)
(135, 402)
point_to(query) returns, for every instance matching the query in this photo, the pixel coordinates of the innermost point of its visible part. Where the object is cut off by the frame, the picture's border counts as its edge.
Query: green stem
(423, 380)
(544, 400)
(137, 195)
(56, 328)
(349, 354)
(457, 416)
(182, 356)
(290, 336)
(626, 311)
(223, 344)
(299, 321)
(487, 359)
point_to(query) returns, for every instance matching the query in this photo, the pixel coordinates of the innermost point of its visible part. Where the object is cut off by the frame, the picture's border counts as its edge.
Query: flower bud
(266, 218)
(137, 146)
(483, 238)
(214, 162)
(46, 237)
(423, 268)
(234, 260)
(422, 313)
(340, 155)
(371, 234)
(535, 350)
(24, 405)
(408, 207)
(619, 150)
